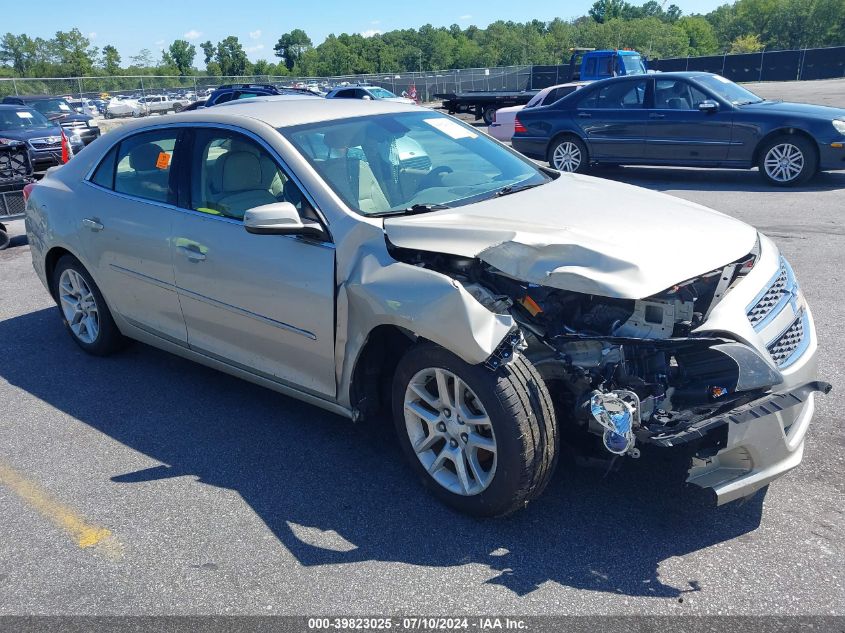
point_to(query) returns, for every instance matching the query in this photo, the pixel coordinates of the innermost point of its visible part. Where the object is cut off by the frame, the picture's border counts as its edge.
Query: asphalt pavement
(145, 484)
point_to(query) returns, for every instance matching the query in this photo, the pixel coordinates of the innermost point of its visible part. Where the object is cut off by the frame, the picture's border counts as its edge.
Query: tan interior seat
(145, 180)
(240, 183)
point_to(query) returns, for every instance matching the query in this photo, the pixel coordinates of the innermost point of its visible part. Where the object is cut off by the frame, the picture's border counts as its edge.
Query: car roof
(13, 106)
(34, 97)
(290, 110)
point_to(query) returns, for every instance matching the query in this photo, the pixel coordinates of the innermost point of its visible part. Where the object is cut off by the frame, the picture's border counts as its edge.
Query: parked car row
(382, 260)
(691, 119)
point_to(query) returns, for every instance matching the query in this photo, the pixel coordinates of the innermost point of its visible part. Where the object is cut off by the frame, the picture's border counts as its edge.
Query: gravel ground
(221, 497)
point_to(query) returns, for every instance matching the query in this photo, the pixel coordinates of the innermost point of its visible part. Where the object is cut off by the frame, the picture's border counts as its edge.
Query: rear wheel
(489, 114)
(4, 239)
(569, 154)
(83, 309)
(483, 442)
(788, 160)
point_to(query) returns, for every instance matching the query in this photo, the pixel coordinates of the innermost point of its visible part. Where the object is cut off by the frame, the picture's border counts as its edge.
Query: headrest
(344, 137)
(238, 171)
(144, 157)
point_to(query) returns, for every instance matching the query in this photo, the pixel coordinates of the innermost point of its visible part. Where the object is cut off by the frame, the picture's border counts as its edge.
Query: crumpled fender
(381, 291)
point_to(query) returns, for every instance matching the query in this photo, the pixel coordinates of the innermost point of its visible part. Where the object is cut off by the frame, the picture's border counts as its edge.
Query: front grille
(46, 142)
(74, 125)
(787, 347)
(774, 296)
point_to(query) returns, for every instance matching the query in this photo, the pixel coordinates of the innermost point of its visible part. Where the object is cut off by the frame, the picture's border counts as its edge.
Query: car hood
(25, 135)
(584, 234)
(806, 109)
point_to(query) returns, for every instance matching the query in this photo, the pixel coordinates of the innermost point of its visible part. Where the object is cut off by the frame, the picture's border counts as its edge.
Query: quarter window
(144, 164)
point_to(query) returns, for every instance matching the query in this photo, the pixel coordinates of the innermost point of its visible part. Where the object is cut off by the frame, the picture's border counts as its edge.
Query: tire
(787, 160)
(109, 115)
(489, 114)
(108, 338)
(520, 423)
(176, 108)
(5, 240)
(569, 153)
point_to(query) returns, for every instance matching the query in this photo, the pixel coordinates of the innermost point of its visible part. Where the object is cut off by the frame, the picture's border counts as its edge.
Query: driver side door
(263, 303)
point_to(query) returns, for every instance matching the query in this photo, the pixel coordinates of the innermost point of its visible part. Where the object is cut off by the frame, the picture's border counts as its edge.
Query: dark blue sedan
(683, 119)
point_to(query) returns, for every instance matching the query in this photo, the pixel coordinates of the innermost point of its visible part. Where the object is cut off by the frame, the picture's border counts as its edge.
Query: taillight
(518, 126)
(27, 190)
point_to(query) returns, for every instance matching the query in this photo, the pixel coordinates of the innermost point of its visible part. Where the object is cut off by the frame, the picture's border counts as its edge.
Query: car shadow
(336, 492)
(691, 179)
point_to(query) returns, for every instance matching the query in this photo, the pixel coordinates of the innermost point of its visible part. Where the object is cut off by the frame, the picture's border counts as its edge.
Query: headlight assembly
(839, 125)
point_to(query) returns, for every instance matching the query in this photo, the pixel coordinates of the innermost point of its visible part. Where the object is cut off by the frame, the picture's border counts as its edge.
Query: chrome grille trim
(768, 304)
(788, 346)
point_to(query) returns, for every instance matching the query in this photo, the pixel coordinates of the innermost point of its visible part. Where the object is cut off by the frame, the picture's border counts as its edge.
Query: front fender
(431, 305)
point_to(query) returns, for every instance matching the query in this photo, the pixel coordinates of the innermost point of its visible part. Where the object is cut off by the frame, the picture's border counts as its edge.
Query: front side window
(143, 166)
(676, 94)
(231, 173)
(390, 163)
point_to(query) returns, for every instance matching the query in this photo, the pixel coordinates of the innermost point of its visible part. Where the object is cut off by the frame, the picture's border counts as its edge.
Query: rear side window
(144, 165)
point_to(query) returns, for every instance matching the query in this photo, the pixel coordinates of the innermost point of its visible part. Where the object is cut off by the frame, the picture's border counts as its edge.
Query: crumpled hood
(584, 234)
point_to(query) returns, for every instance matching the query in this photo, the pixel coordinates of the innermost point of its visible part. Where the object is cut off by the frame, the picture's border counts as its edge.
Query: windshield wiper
(412, 210)
(504, 191)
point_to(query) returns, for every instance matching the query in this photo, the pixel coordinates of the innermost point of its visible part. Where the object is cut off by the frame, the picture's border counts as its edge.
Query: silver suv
(488, 307)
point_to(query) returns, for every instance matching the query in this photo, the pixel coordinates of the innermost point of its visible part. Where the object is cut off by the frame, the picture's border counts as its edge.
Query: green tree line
(658, 32)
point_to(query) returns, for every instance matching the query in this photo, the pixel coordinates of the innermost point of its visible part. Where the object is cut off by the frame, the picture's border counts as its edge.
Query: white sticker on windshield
(63, 107)
(23, 114)
(451, 128)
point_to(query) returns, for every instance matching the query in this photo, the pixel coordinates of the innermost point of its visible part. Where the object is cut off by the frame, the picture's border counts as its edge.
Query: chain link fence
(813, 63)
(424, 84)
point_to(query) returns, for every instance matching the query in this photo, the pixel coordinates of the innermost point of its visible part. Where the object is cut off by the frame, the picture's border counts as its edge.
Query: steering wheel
(431, 179)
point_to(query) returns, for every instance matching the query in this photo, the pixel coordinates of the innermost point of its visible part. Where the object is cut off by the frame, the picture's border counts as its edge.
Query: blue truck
(585, 64)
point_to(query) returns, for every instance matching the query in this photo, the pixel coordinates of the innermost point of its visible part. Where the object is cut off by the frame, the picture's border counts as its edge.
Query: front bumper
(832, 154)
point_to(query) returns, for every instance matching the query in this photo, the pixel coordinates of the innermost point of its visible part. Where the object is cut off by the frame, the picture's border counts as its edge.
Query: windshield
(381, 93)
(633, 64)
(51, 106)
(23, 120)
(410, 161)
(728, 90)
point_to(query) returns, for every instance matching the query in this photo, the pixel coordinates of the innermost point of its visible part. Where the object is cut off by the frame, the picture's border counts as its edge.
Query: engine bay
(625, 371)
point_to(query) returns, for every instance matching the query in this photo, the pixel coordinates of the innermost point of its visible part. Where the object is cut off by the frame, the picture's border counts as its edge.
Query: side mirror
(280, 218)
(708, 106)
(367, 98)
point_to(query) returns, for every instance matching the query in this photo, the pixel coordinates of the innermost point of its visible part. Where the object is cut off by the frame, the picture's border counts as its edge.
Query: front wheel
(483, 442)
(788, 160)
(569, 154)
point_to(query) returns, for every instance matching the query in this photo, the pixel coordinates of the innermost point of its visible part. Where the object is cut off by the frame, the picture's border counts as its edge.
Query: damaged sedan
(385, 261)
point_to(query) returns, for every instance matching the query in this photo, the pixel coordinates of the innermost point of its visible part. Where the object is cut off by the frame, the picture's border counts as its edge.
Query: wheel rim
(784, 162)
(79, 306)
(567, 157)
(450, 431)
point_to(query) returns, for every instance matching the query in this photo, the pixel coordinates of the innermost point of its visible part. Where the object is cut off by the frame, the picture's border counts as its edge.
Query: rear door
(679, 132)
(126, 231)
(613, 119)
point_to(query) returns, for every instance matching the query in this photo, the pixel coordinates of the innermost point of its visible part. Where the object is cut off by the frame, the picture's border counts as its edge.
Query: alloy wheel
(784, 162)
(566, 157)
(450, 431)
(79, 306)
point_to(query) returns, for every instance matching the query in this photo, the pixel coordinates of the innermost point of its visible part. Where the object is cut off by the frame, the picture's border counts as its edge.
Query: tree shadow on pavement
(310, 475)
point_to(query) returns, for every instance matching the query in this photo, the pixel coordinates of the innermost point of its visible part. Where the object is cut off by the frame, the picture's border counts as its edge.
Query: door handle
(584, 115)
(92, 224)
(656, 115)
(191, 253)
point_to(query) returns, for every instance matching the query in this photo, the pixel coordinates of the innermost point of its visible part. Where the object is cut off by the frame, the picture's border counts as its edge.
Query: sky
(131, 25)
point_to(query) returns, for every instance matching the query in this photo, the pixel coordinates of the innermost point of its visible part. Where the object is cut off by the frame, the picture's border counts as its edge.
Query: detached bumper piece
(759, 408)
